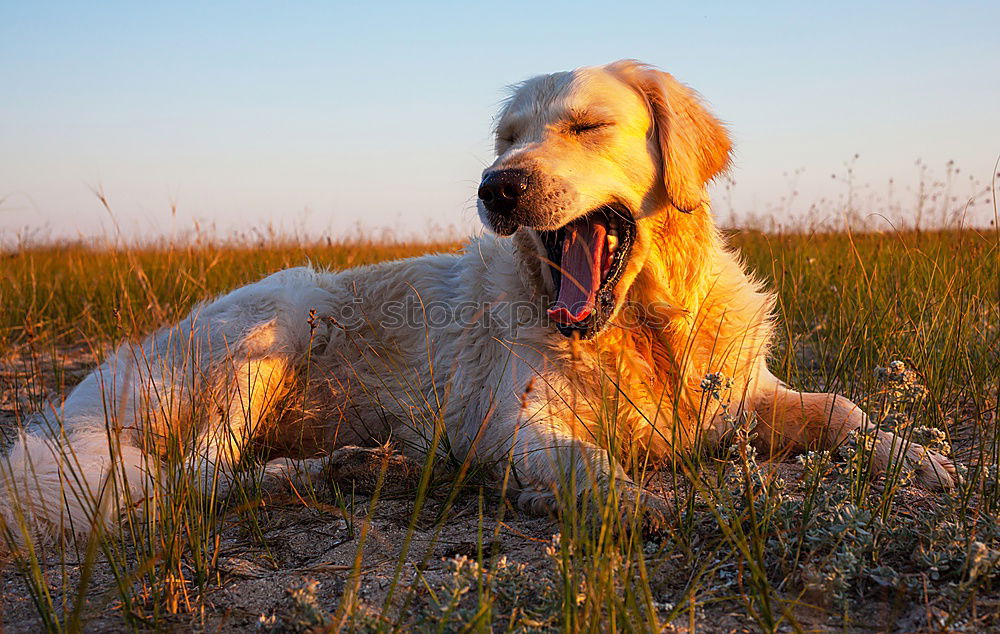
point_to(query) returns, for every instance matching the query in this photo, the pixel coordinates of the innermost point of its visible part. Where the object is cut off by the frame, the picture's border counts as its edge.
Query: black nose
(500, 190)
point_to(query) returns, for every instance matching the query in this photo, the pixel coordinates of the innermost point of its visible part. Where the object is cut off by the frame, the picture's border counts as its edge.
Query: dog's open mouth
(587, 257)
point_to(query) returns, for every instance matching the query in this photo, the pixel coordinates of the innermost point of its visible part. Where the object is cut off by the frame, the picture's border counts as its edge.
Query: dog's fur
(255, 372)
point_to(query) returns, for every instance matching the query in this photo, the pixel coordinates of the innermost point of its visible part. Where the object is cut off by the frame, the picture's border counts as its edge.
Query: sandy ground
(318, 542)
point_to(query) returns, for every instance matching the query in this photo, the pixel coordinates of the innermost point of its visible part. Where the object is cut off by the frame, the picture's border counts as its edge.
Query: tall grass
(746, 541)
(76, 292)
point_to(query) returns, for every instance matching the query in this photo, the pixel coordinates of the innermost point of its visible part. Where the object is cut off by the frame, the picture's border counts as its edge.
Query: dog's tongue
(582, 255)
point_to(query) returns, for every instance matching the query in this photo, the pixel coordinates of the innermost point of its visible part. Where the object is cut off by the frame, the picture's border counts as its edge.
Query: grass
(815, 543)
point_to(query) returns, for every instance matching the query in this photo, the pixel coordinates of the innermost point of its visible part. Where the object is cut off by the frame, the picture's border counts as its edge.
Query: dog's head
(586, 161)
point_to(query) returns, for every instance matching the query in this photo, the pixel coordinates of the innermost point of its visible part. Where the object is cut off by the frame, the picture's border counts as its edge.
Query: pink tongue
(582, 251)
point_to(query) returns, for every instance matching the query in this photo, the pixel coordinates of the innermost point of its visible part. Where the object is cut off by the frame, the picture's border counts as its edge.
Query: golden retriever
(554, 354)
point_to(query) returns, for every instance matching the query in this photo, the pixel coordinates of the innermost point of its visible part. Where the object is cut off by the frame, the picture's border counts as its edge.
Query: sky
(330, 117)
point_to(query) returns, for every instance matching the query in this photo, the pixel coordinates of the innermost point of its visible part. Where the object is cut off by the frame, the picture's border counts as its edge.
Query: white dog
(559, 353)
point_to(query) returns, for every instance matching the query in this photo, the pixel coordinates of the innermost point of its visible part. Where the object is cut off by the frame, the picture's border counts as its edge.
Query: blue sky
(327, 116)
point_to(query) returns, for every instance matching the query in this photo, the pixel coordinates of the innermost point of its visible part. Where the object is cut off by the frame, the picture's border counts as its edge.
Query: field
(905, 323)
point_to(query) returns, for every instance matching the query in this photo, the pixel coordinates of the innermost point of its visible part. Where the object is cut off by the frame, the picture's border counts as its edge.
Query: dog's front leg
(548, 464)
(552, 471)
(799, 421)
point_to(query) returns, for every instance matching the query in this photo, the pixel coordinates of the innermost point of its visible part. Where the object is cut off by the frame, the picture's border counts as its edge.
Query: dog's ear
(694, 145)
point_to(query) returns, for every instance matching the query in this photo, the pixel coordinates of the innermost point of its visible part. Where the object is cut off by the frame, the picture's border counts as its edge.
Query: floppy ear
(694, 145)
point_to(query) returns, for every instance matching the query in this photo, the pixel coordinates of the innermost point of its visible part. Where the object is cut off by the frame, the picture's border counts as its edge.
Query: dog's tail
(188, 399)
(54, 483)
(74, 467)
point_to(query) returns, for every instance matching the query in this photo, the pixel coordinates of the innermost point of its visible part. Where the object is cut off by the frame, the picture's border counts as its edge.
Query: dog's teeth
(612, 243)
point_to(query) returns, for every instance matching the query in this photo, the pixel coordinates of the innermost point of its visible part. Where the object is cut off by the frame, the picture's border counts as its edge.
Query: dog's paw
(930, 469)
(283, 475)
(537, 502)
(642, 509)
(635, 508)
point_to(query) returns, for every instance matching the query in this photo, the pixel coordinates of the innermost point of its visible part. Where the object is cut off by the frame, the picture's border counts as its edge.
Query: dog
(571, 339)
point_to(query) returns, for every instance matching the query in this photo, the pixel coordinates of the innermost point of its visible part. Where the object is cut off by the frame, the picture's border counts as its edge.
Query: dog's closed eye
(582, 128)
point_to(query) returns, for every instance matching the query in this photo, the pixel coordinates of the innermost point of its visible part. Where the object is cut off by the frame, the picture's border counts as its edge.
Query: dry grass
(806, 545)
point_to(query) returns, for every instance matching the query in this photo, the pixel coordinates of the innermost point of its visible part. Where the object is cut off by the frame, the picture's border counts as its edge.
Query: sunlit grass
(794, 545)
